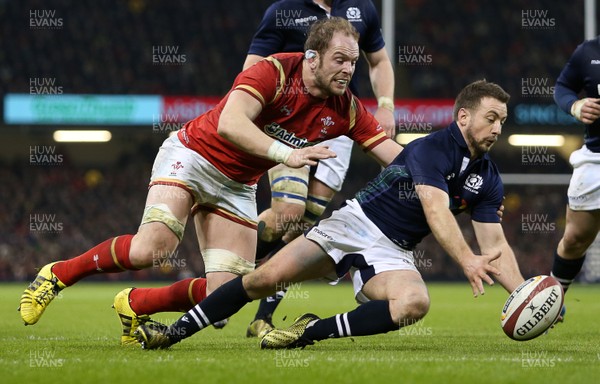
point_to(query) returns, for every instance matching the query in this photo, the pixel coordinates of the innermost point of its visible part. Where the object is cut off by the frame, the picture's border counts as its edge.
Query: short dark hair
(322, 31)
(471, 95)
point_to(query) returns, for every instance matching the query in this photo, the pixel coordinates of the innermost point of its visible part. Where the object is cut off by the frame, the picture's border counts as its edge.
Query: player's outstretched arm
(444, 227)
(385, 152)
(491, 239)
(236, 125)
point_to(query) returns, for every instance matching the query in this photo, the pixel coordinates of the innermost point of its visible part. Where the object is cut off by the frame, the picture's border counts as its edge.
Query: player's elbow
(226, 126)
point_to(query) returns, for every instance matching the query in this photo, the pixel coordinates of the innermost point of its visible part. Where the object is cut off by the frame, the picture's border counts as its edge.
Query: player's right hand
(477, 268)
(308, 156)
(586, 110)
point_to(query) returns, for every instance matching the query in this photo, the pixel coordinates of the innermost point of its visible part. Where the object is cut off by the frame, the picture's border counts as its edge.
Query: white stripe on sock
(339, 325)
(347, 324)
(196, 319)
(201, 313)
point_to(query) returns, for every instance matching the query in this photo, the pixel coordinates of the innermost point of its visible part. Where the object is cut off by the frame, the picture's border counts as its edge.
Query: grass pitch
(459, 341)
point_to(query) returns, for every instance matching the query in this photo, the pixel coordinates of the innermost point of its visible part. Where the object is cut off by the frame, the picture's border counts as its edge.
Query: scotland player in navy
(432, 179)
(581, 73)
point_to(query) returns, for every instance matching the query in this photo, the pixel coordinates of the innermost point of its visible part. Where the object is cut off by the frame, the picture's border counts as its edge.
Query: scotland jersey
(442, 160)
(582, 72)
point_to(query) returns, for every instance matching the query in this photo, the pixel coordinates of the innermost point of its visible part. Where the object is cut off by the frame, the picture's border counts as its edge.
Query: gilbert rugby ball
(532, 308)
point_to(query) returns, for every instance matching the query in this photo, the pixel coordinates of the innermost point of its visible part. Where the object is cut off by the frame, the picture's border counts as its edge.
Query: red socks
(178, 297)
(113, 256)
(109, 256)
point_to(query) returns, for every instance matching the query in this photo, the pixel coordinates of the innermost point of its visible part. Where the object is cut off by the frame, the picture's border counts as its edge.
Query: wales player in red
(275, 113)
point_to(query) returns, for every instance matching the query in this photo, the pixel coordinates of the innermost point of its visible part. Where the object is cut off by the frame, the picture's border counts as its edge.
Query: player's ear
(311, 56)
(463, 117)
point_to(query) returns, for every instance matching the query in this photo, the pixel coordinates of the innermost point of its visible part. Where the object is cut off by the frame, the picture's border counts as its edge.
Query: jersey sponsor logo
(321, 234)
(305, 21)
(353, 14)
(595, 61)
(277, 132)
(473, 183)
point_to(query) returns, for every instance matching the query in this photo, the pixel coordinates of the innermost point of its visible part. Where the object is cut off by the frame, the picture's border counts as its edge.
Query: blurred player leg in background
(582, 218)
(583, 210)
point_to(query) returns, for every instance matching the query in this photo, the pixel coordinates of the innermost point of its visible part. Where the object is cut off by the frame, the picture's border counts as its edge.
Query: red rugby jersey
(289, 115)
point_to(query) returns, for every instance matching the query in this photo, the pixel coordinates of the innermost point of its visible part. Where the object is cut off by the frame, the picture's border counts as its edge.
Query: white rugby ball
(532, 308)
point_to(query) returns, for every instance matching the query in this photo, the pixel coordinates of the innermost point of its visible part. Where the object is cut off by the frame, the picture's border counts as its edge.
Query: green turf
(460, 341)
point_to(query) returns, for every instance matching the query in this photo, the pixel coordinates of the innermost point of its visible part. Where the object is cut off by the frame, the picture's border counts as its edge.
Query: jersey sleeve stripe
(352, 114)
(373, 141)
(252, 91)
(279, 67)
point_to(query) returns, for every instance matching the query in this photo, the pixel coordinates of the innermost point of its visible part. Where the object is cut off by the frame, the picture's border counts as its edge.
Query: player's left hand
(386, 119)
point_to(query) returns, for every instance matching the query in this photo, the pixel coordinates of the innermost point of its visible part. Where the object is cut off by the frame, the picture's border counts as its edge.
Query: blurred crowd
(109, 46)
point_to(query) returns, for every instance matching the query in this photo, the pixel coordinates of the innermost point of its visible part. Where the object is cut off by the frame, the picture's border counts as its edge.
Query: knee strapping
(162, 213)
(289, 185)
(315, 206)
(222, 260)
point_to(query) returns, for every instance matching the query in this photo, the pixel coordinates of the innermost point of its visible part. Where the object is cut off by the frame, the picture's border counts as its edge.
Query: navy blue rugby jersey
(285, 25)
(442, 160)
(582, 72)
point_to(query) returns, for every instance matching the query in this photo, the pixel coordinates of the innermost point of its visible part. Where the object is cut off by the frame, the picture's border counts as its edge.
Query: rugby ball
(532, 308)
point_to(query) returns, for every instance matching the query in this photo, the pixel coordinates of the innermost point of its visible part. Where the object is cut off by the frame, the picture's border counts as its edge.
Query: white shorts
(584, 187)
(177, 165)
(332, 172)
(357, 245)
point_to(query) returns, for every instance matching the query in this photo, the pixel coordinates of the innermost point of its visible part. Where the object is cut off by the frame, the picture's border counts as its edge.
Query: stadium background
(88, 192)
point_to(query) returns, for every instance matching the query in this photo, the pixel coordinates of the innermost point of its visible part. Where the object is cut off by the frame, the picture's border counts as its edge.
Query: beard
(325, 84)
(479, 146)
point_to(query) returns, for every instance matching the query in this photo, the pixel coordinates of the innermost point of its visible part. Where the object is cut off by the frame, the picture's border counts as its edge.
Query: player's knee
(577, 242)
(283, 217)
(288, 212)
(410, 309)
(260, 283)
(152, 243)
